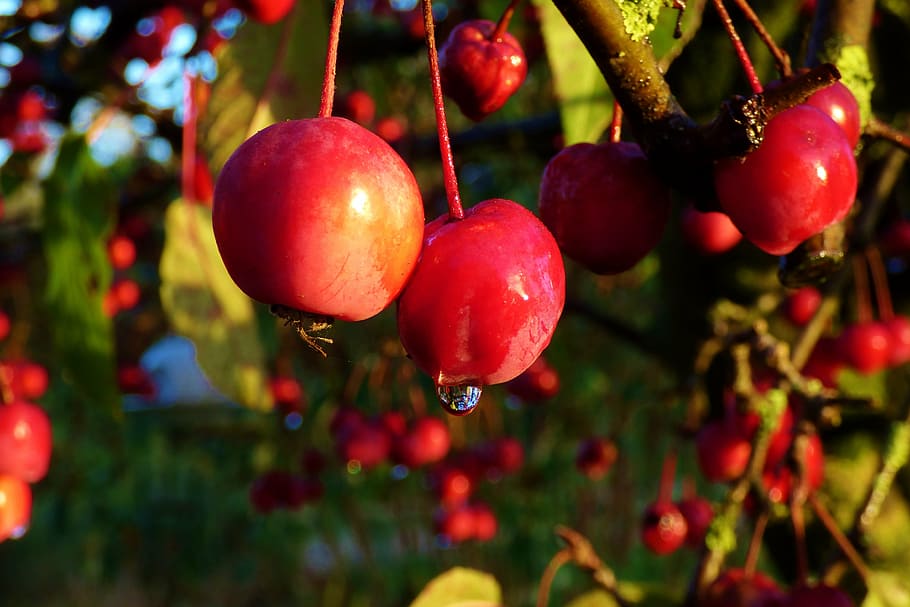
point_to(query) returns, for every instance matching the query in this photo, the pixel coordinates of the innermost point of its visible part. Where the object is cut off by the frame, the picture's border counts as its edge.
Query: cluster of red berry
(25, 439)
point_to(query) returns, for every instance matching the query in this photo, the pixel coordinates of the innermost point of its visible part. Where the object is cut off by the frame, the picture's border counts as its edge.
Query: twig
(846, 547)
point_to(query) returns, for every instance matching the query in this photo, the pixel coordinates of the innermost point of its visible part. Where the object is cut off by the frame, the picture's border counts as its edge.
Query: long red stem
(880, 280)
(741, 52)
(445, 145)
(503, 24)
(667, 476)
(331, 60)
(863, 297)
(780, 56)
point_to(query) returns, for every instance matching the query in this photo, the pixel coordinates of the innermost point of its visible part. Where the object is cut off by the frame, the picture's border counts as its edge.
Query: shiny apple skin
(25, 441)
(604, 204)
(709, 233)
(486, 295)
(319, 215)
(840, 105)
(266, 11)
(800, 180)
(15, 506)
(480, 74)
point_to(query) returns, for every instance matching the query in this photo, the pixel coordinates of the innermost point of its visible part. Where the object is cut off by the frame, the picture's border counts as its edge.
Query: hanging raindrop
(459, 400)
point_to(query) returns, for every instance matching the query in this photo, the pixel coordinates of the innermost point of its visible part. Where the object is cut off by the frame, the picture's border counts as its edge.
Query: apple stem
(863, 298)
(781, 58)
(503, 24)
(331, 60)
(188, 139)
(667, 474)
(741, 52)
(799, 533)
(880, 280)
(445, 145)
(616, 123)
(755, 546)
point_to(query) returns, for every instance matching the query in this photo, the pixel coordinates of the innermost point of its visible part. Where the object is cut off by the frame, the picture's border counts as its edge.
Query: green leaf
(585, 102)
(460, 587)
(873, 386)
(887, 589)
(80, 197)
(203, 303)
(266, 74)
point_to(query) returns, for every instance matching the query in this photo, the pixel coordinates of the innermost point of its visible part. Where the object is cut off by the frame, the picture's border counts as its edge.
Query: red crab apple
(604, 204)
(595, 456)
(709, 233)
(15, 507)
(479, 69)
(698, 513)
(820, 595)
(800, 180)
(484, 300)
(801, 305)
(265, 11)
(25, 441)
(866, 346)
(663, 527)
(840, 105)
(733, 588)
(319, 215)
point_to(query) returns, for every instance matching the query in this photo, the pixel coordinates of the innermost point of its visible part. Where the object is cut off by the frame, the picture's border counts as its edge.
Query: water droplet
(459, 400)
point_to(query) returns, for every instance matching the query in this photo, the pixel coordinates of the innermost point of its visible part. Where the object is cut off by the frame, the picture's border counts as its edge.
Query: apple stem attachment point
(741, 52)
(616, 123)
(306, 325)
(503, 24)
(445, 145)
(331, 60)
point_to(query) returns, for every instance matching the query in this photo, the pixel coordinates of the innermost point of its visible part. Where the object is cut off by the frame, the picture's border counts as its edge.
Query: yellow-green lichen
(853, 63)
(640, 16)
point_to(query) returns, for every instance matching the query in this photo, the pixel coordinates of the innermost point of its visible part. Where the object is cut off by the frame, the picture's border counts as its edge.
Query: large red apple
(319, 215)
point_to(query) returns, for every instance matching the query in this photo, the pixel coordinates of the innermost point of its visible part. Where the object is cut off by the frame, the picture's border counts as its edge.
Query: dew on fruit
(459, 400)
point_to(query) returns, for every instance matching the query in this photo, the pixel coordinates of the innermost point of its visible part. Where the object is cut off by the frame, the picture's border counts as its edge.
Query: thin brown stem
(799, 533)
(882, 130)
(846, 547)
(331, 60)
(445, 145)
(546, 580)
(880, 280)
(861, 284)
(755, 545)
(503, 24)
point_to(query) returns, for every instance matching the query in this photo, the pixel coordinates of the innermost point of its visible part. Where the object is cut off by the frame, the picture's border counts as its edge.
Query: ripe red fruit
(426, 442)
(319, 215)
(604, 204)
(505, 455)
(4, 325)
(709, 233)
(126, 294)
(824, 362)
(25, 441)
(27, 380)
(663, 528)
(480, 73)
(391, 128)
(121, 251)
(451, 485)
(865, 346)
(15, 507)
(484, 300)
(357, 106)
(898, 328)
(595, 457)
(800, 180)
(265, 11)
(455, 525)
(286, 393)
(366, 445)
(722, 451)
(839, 104)
(820, 595)
(485, 524)
(778, 477)
(801, 305)
(698, 513)
(133, 379)
(733, 589)
(538, 382)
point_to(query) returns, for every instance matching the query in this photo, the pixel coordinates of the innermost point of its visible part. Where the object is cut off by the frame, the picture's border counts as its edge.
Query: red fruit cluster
(25, 453)
(874, 345)
(709, 233)
(735, 588)
(22, 116)
(279, 489)
(481, 68)
(724, 446)
(474, 521)
(604, 205)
